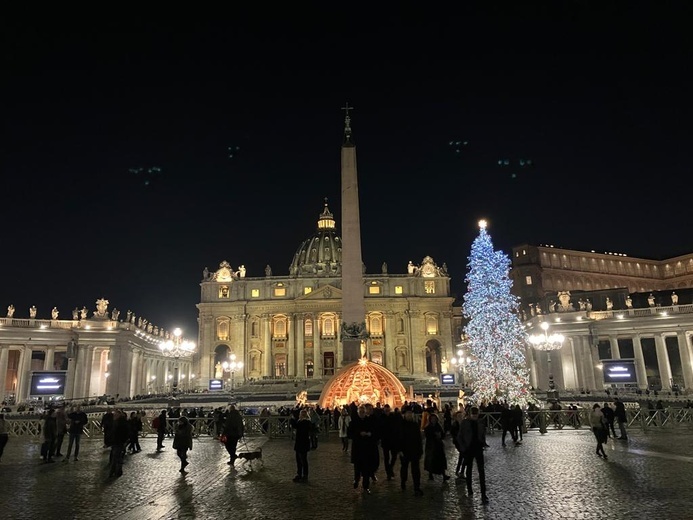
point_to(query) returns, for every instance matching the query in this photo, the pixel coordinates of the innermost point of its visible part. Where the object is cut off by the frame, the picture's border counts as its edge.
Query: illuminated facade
(91, 356)
(608, 306)
(289, 326)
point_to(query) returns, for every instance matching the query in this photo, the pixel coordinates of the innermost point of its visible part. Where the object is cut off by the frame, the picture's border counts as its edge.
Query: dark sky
(597, 97)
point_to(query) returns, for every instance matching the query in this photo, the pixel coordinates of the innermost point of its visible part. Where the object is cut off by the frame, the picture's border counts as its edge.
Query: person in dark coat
(302, 445)
(50, 432)
(389, 438)
(233, 430)
(621, 418)
(119, 438)
(183, 441)
(363, 447)
(107, 428)
(435, 461)
(609, 418)
(411, 449)
(471, 439)
(161, 430)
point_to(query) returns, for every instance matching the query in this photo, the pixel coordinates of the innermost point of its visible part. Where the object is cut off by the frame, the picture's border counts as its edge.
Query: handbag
(223, 438)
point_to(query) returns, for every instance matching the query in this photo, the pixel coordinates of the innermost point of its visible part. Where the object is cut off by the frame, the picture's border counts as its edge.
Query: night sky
(138, 149)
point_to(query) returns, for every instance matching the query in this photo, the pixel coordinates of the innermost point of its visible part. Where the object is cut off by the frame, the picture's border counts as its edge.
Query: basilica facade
(288, 326)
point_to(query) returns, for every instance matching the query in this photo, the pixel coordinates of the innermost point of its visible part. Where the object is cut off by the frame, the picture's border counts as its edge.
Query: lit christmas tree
(496, 338)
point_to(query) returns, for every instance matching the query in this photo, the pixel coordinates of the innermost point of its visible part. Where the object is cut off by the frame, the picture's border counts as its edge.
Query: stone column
(640, 369)
(300, 328)
(663, 361)
(4, 359)
(615, 351)
(317, 347)
(24, 374)
(267, 337)
(389, 341)
(684, 352)
(533, 379)
(290, 346)
(50, 357)
(587, 362)
(569, 366)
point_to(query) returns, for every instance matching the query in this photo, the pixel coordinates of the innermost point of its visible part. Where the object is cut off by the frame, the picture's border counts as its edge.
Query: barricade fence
(272, 426)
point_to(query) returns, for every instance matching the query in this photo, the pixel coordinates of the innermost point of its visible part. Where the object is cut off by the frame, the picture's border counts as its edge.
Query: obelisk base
(351, 350)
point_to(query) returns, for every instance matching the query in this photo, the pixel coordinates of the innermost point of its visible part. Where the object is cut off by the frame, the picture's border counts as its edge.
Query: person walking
(343, 426)
(363, 448)
(134, 427)
(233, 430)
(61, 429)
(4, 435)
(119, 437)
(435, 461)
(454, 432)
(472, 438)
(107, 428)
(183, 441)
(50, 430)
(598, 425)
(609, 417)
(621, 418)
(160, 423)
(411, 449)
(302, 445)
(389, 438)
(78, 420)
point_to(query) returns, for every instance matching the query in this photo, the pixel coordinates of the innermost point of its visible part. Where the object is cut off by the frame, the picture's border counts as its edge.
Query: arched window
(223, 329)
(308, 328)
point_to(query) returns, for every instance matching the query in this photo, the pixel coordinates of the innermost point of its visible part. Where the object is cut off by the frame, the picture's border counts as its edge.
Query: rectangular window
(307, 290)
(528, 280)
(255, 293)
(280, 291)
(374, 289)
(430, 287)
(398, 289)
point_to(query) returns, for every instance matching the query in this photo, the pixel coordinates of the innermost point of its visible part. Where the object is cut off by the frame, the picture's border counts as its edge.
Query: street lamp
(177, 348)
(460, 362)
(547, 342)
(232, 366)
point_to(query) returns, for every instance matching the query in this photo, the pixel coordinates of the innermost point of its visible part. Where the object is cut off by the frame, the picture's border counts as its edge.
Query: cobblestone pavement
(556, 475)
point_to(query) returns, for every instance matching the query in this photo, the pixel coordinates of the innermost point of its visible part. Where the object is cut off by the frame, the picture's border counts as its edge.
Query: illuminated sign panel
(216, 384)
(447, 379)
(48, 383)
(619, 371)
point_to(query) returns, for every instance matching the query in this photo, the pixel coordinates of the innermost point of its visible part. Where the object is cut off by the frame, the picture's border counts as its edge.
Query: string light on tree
(497, 341)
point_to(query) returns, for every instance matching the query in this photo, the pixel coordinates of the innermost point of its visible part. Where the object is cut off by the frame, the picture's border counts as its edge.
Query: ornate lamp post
(460, 362)
(177, 348)
(232, 366)
(547, 342)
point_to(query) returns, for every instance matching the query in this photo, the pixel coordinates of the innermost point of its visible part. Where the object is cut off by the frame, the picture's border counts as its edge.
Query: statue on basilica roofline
(241, 271)
(115, 314)
(32, 312)
(75, 313)
(205, 274)
(83, 313)
(268, 271)
(651, 300)
(10, 310)
(383, 268)
(54, 313)
(674, 298)
(224, 274)
(564, 301)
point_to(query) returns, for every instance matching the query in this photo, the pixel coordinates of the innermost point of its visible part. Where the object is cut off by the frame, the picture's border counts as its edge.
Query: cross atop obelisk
(353, 329)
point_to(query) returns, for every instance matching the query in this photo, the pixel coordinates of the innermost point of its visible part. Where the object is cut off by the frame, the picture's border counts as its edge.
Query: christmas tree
(497, 341)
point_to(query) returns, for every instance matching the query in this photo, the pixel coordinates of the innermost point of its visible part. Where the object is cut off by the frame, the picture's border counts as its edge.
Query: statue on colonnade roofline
(128, 315)
(268, 271)
(674, 298)
(101, 308)
(629, 302)
(241, 271)
(651, 300)
(115, 314)
(10, 310)
(75, 313)
(564, 301)
(609, 304)
(83, 313)
(32, 311)
(54, 313)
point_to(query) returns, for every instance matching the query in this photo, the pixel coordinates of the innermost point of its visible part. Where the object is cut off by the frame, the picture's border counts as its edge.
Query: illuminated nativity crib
(363, 382)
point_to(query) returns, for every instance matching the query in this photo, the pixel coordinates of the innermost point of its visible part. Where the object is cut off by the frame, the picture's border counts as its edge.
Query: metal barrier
(280, 426)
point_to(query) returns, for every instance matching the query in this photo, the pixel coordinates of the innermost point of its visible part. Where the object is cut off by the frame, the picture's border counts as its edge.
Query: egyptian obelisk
(353, 306)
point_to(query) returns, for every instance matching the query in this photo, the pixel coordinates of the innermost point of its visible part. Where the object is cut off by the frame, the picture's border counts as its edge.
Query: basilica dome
(363, 382)
(321, 254)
